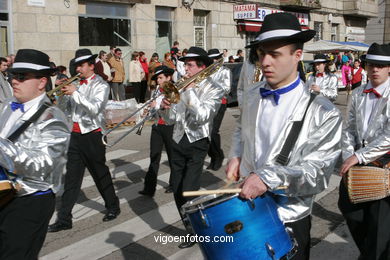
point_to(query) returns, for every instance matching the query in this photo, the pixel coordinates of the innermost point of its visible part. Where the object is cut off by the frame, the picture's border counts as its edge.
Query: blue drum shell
(261, 225)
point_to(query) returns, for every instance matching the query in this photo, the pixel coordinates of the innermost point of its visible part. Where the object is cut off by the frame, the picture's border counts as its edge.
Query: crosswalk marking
(119, 153)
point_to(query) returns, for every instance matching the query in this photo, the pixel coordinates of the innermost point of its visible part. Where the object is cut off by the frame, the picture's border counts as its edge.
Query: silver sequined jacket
(377, 137)
(197, 107)
(328, 85)
(38, 156)
(312, 159)
(86, 105)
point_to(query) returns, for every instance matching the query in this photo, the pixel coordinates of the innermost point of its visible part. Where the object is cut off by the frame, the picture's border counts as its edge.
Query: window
(334, 32)
(105, 24)
(163, 29)
(3, 6)
(200, 17)
(318, 29)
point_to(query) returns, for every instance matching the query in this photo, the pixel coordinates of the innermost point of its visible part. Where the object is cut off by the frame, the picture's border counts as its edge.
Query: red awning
(254, 26)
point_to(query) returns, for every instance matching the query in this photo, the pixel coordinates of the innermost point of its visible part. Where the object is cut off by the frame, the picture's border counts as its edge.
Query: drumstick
(224, 191)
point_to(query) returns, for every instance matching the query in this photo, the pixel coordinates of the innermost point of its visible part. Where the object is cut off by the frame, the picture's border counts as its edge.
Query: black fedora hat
(162, 70)
(197, 53)
(320, 58)
(378, 54)
(282, 26)
(83, 55)
(33, 61)
(214, 54)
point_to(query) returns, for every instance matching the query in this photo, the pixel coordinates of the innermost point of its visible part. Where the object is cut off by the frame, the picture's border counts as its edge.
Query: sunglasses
(23, 77)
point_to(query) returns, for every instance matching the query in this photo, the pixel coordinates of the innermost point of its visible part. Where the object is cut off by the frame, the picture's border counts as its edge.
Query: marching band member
(32, 155)
(84, 105)
(293, 175)
(366, 139)
(161, 135)
(193, 117)
(322, 81)
(215, 151)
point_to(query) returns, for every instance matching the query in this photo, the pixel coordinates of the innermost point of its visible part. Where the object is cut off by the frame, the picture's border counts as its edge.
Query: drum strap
(15, 135)
(283, 156)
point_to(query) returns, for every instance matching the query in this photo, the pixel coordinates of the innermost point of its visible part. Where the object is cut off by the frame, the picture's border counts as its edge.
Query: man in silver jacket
(34, 161)
(84, 104)
(268, 112)
(193, 117)
(322, 81)
(366, 138)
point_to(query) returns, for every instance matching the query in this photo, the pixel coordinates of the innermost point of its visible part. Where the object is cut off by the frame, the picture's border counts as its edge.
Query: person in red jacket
(358, 75)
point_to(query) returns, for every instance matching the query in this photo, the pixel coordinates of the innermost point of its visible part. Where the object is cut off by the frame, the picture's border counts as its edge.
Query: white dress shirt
(30, 107)
(271, 118)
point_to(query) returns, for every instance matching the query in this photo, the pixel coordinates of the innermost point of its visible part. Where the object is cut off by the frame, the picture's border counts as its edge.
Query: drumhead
(206, 201)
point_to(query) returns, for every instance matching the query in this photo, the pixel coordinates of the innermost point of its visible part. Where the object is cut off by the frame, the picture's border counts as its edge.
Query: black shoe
(146, 193)
(217, 164)
(211, 165)
(58, 226)
(186, 244)
(111, 215)
(169, 189)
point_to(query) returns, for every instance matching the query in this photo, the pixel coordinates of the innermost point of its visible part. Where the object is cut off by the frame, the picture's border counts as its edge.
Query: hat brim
(320, 61)
(45, 72)
(381, 62)
(205, 59)
(169, 72)
(303, 36)
(92, 57)
(215, 56)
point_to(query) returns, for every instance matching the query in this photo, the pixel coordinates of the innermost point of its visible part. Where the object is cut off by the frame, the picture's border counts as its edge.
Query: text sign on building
(40, 3)
(244, 11)
(262, 12)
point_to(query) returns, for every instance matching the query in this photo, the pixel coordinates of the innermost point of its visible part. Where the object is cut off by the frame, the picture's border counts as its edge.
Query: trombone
(171, 92)
(57, 90)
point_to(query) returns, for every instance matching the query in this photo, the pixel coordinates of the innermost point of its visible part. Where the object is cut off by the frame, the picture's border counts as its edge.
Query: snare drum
(254, 226)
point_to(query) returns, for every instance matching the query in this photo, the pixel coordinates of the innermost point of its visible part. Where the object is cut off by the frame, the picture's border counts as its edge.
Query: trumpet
(171, 92)
(57, 90)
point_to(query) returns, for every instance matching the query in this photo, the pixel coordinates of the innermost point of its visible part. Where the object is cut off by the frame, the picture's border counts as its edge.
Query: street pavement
(133, 234)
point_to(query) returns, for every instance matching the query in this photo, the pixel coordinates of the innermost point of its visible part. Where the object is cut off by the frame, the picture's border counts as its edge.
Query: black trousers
(161, 136)
(137, 88)
(187, 166)
(301, 231)
(144, 87)
(23, 226)
(369, 224)
(215, 152)
(86, 150)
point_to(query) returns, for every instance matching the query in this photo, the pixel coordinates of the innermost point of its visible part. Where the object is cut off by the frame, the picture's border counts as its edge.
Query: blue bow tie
(276, 93)
(16, 105)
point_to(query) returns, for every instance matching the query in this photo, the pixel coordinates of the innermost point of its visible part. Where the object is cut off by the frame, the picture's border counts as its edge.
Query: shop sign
(244, 11)
(302, 17)
(40, 3)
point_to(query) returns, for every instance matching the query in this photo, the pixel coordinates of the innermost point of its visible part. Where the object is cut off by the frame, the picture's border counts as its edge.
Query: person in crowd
(192, 117)
(215, 150)
(322, 81)
(111, 53)
(239, 57)
(153, 64)
(161, 134)
(174, 50)
(5, 87)
(136, 74)
(366, 141)
(34, 138)
(168, 61)
(10, 61)
(116, 62)
(60, 75)
(231, 59)
(293, 175)
(359, 75)
(180, 69)
(144, 82)
(225, 55)
(102, 67)
(84, 105)
(346, 73)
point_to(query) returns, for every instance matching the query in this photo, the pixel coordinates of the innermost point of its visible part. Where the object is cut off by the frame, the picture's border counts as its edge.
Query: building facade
(59, 27)
(378, 28)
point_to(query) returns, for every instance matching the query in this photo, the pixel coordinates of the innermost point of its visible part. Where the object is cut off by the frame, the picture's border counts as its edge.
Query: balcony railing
(301, 4)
